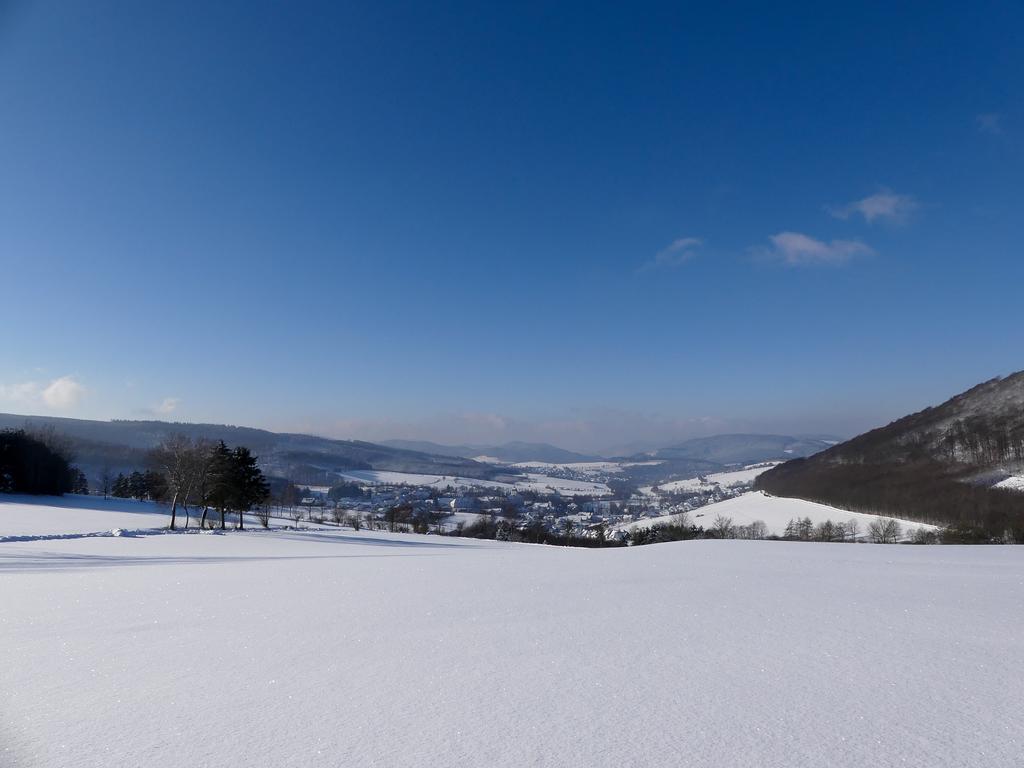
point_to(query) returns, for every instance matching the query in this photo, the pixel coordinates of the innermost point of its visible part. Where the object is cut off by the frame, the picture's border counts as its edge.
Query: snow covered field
(775, 512)
(584, 467)
(338, 648)
(737, 477)
(531, 481)
(22, 516)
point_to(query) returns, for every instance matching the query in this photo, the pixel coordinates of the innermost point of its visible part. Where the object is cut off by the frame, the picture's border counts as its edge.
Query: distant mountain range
(741, 449)
(122, 446)
(951, 464)
(509, 453)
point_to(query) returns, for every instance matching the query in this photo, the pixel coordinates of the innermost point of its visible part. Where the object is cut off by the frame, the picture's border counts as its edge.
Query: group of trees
(37, 463)
(508, 528)
(982, 440)
(881, 530)
(803, 529)
(202, 473)
(148, 485)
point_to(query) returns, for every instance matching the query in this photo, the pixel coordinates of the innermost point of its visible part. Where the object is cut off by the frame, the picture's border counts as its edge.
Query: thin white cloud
(884, 204)
(167, 405)
(59, 394)
(990, 123)
(797, 250)
(678, 252)
(25, 392)
(63, 393)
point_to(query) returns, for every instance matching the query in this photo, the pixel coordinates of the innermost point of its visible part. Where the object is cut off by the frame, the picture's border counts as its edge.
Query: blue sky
(583, 223)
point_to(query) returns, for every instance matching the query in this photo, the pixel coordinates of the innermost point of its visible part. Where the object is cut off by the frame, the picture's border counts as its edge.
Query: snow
(729, 479)
(545, 483)
(584, 467)
(1011, 483)
(530, 481)
(22, 516)
(776, 512)
(340, 648)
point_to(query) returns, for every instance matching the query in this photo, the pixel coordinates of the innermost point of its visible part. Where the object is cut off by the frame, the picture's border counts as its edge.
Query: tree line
(880, 530)
(924, 490)
(209, 475)
(185, 472)
(38, 463)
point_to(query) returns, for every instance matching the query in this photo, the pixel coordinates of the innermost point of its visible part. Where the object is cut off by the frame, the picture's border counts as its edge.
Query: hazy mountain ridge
(512, 452)
(741, 448)
(122, 445)
(936, 465)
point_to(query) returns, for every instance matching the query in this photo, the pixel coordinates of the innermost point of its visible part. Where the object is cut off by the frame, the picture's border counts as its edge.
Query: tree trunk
(202, 522)
(222, 526)
(174, 510)
(241, 523)
(185, 507)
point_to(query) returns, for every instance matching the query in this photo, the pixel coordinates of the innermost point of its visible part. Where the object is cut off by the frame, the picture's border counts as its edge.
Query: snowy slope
(585, 467)
(530, 481)
(730, 479)
(1011, 483)
(51, 516)
(331, 649)
(775, 511)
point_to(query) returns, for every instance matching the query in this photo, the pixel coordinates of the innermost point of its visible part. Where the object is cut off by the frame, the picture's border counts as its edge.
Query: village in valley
(595, 500)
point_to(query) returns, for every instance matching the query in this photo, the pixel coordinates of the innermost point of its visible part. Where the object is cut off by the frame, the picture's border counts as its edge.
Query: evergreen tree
(249, 487)
(121, 488)
(33, 463)
(220, 479)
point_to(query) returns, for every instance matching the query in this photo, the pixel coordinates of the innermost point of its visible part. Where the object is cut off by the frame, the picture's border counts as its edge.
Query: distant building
(465, 504)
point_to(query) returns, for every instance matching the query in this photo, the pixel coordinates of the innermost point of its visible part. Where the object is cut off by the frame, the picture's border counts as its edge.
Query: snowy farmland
(530, 481)
(330, 648)
(775, 513)
(730, 479)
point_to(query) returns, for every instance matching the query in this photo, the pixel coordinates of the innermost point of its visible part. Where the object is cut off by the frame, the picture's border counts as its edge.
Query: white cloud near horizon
(796, 249)
(167, 405)
(679, 251)
(60, 394)
(883, 205)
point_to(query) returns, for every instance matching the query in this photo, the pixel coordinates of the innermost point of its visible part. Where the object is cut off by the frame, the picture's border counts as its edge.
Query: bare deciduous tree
(723, 527)
(106, 480)
(884, 531)
(173, 458)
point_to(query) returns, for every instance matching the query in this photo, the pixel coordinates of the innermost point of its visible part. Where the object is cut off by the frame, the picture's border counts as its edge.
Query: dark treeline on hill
(145, 486)
(37, 464)
(182, 471)
(124, 446)
(935, 466)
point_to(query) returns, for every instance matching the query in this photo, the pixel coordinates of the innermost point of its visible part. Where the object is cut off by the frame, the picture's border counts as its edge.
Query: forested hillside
(939, 465)
(123, 446)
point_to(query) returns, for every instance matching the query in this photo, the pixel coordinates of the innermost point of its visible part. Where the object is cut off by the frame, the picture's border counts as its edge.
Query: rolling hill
(741, 449)
(122, 446)
(510, 453)
(940, 465)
